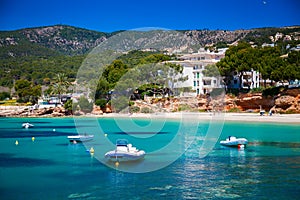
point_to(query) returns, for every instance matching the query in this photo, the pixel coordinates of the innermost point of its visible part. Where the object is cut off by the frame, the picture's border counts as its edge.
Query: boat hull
(80, 138)
(235, 143)
(114, 156)
(27, 125)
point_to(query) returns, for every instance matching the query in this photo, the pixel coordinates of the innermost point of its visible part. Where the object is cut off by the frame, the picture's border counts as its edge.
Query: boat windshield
(122, 142)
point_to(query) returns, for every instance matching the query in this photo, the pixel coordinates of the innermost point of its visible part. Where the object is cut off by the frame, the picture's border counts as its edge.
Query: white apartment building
(193, 66)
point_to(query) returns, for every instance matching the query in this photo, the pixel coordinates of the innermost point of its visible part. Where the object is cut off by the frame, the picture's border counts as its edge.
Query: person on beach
(270, 112)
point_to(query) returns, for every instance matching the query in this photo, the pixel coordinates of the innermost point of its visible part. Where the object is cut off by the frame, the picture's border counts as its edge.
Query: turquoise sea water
(51, 168)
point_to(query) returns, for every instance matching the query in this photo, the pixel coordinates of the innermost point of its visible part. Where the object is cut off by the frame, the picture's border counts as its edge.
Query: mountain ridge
(70, 40)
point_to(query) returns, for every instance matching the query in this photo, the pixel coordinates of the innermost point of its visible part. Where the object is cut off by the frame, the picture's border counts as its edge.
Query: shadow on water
(277, 144)
(38, 127)
(9, 160)
(35, 122)
(22, 134)
(136, 133)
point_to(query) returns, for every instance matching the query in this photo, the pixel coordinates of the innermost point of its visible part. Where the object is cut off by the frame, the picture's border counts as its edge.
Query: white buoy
(17, 142)
(54, 130)
(105, 135)
(33, 138)
(117, 164)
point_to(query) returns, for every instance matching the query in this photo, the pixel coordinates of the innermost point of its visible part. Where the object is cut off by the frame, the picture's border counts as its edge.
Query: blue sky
(108, 16)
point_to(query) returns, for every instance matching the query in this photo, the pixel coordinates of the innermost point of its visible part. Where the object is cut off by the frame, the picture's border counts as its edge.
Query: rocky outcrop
(27, 112)
(288, 101)
(253, 101)
(97, 110)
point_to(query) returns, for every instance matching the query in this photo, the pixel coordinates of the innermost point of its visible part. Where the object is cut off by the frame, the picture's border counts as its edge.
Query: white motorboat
(80, 138)
(124, 152)
(232, 141)
(27, 125)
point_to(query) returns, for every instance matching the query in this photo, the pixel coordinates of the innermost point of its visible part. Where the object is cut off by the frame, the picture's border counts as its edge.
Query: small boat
(232, 141)
(80, 138)
(27, 125)
(124, 152)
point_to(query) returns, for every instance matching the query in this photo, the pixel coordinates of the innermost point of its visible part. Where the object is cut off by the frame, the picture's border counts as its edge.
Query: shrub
(146, 110)
(131, 103)
(217, 92)
(101, 103)
(184, 107)
(290, 112)
(255, 90)
(273, 91)
(234, 110)
(85, 105)
(4, 95)
(135, 109)
(68, 105)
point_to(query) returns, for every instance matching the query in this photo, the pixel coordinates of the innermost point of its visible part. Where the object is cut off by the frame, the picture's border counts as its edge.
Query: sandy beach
(246, 117)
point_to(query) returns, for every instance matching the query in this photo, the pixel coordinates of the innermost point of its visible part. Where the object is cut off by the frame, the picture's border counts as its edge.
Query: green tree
(4, 95)
(27, 92)
(85, 105)
(120, 103)
(238, 59)
(69, 106)
(101, 102)
(211, 71)
(60, 85)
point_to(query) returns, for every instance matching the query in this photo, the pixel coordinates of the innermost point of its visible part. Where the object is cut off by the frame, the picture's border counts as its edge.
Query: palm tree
(60, 85)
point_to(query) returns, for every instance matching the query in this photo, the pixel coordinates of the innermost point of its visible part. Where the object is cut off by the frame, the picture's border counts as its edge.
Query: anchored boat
(80, 138)
(232, 141)
(124, 152)
(27, 125)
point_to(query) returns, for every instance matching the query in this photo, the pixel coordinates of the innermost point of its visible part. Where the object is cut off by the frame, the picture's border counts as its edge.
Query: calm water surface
(52, 168)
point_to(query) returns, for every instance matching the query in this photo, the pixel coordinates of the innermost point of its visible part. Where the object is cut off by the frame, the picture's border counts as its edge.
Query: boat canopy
(122, 142)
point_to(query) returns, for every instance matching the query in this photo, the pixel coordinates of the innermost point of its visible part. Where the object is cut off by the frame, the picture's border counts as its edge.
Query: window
(198, 74)
(194, 83)
(197, 83)
(207, 82)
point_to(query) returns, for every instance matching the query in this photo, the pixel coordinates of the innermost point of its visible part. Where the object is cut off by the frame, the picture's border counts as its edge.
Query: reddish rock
(284, 102)
(97, 110)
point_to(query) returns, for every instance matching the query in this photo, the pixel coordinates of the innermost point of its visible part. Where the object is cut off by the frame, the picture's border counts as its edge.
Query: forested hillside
(37, 54)
(49, 41)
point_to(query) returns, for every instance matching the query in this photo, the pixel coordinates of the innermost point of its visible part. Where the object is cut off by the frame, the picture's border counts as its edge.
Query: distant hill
(39, 53)
(68, 40)
(49, 41)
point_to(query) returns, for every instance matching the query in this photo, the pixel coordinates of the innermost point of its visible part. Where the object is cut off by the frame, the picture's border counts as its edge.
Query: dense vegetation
(260, 36)
(38, 70)
(32, 58)
(49, 41)
(268, 61)
(113, 72)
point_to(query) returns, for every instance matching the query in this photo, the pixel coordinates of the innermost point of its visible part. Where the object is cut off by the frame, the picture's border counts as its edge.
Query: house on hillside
(194, 81)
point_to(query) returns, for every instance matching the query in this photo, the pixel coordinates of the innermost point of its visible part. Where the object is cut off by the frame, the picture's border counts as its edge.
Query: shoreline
(222, 117)
(206, 116)
(226, 117)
